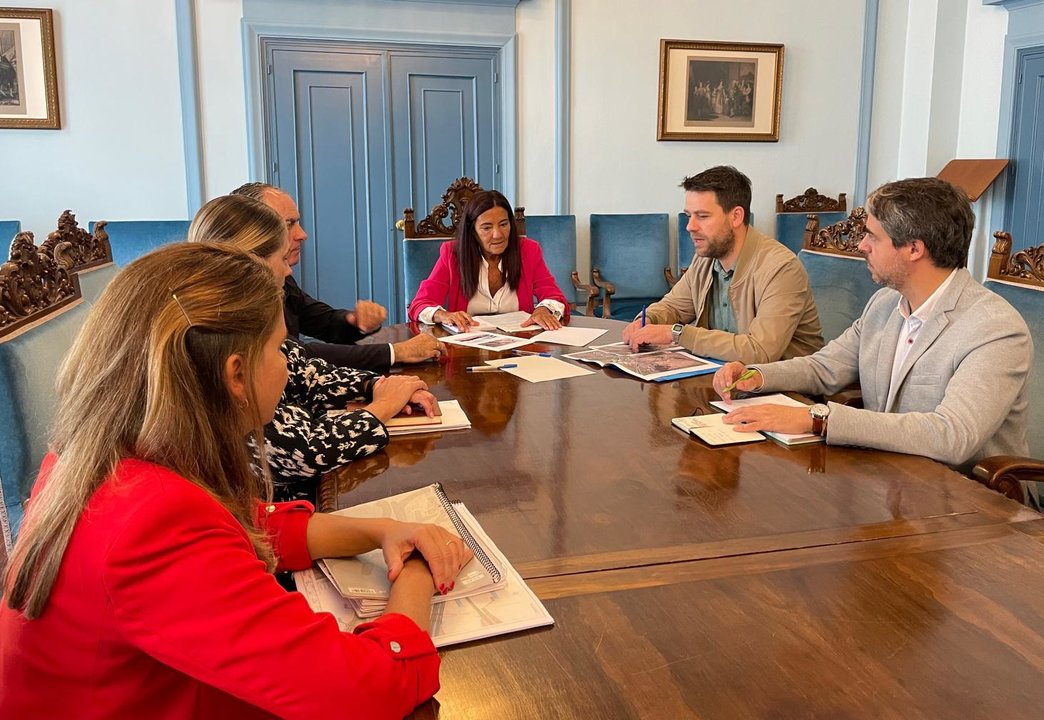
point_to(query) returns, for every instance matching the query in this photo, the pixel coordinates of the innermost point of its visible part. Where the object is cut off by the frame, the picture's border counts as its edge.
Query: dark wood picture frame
(719, 91)
(28, 70)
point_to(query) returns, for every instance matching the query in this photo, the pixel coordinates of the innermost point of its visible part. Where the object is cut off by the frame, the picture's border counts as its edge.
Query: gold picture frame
(28, 74)
(720, 91)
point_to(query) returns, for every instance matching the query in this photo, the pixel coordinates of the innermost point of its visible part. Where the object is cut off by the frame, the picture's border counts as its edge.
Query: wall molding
(188, 79)
(866, 103)
(563, 104)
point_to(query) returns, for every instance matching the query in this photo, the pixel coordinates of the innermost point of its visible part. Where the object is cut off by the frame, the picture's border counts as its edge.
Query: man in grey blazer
(941, 360)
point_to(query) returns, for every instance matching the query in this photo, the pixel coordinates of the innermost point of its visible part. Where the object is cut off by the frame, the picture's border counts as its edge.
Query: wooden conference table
(745, 581)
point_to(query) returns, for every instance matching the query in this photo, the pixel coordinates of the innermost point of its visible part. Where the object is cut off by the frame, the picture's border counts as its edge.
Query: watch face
(819, 410)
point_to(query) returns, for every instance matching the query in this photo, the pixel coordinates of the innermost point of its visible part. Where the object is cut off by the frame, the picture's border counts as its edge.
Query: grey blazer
(961, 394)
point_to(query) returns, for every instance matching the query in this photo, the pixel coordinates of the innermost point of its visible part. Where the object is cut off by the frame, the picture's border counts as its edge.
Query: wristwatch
(676, 331)
(819, 413)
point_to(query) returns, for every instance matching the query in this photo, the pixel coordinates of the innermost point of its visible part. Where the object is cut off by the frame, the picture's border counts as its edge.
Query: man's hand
(418, 349)
(775, 418)
(367, 316)
(544, 318)
(635, 335)
(730, 378)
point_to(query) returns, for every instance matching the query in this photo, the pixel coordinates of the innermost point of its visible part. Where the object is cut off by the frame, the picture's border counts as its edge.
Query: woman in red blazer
(141, 584)
(488, 269)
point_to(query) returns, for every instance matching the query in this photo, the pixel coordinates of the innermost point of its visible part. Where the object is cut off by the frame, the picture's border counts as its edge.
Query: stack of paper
(536, 368)
(452, 418)
(486, 341)
(502, 606)
(656, 366)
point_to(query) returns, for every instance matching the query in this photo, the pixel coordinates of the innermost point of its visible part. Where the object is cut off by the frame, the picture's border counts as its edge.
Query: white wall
(617, 163)
(119, 153)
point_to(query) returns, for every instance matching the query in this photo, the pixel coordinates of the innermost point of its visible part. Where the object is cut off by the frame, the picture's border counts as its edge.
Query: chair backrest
(631, 251)
(418, 258)
(130, 239)
(557, 237)
(837, 272)
(8, 229)
(89, 255)
(1019, 279)
(791, 215)
(442, 221)
(40, 314)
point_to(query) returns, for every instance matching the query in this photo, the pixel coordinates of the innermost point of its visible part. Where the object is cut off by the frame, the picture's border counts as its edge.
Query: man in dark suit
(336, 331)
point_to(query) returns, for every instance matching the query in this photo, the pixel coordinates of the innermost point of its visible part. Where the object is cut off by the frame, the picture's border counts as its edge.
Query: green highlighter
(747, 375)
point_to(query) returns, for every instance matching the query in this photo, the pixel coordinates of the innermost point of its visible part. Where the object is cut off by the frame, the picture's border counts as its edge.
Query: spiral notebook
(364, 579)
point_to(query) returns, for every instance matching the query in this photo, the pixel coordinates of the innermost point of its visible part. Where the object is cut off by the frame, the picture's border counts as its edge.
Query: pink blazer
(443, 285)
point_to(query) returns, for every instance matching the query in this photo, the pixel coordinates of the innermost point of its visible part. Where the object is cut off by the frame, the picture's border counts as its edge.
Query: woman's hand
(392, 392)
(460, 319)
(544, 318)
(444, 551)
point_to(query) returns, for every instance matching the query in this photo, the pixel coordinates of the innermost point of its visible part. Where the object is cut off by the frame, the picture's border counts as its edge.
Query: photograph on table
(28, 78)
(719, 91)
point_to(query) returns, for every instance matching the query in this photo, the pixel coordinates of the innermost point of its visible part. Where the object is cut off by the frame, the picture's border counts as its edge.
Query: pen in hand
(747, 375)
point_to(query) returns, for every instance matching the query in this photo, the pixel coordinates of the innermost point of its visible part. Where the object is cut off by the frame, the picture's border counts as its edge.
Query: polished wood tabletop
(588, 474)
(940, 625)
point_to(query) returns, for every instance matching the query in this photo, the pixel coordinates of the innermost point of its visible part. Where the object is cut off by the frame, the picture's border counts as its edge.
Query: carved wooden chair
(130, 239)
(89, 255)
(1019, 278)
(40, 314)
(422, 240)
(836, 269)
(791, 215)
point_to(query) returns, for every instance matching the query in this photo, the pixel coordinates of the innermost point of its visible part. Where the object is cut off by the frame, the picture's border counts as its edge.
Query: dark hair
(926, 209)
(731, 188)
(255, 190)
(469, 250)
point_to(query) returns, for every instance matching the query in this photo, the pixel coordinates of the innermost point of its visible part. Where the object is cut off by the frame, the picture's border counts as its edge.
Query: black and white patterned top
(303, 442)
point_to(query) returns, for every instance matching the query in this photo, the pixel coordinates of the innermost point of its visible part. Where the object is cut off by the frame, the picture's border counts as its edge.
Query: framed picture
(719, 91)
(28, 79)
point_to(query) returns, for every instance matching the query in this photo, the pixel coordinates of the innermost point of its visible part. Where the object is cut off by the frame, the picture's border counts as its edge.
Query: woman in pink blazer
(488, 269)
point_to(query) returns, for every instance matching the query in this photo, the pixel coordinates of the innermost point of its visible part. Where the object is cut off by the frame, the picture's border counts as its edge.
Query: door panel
(331, 157)
(1026, 194)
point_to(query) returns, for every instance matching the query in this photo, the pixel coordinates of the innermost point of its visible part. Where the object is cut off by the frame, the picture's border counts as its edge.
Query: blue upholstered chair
(628, 254)
(418, 258)
(837, 272)
(792, 215)
(557, 237)
(33, 343)
(1017, 278)
(8, 229)
(130, 239)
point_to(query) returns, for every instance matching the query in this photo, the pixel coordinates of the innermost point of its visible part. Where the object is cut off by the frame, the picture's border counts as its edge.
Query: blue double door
(358, 133)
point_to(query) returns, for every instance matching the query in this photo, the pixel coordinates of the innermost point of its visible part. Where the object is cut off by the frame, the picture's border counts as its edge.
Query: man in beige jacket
(745, 297)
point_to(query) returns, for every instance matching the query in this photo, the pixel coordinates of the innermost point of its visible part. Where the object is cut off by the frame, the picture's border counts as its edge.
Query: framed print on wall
(719, 91)
(28, 78)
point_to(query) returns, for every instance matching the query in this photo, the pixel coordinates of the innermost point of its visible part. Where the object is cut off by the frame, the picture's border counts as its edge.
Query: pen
(530, 352)
(747, 375)
(643, 315)
(490, 368)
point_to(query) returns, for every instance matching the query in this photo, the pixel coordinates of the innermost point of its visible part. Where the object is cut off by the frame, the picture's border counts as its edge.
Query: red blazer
(161, 609)
(443, 285)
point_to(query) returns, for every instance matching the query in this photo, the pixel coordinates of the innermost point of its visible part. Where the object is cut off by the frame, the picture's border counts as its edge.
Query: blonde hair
(145, 378)
(242, 221)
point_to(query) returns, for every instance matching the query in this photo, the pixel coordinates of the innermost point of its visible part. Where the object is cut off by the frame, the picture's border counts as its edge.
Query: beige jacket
(771, 300)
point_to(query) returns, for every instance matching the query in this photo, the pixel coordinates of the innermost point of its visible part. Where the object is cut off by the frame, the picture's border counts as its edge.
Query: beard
(718, 246)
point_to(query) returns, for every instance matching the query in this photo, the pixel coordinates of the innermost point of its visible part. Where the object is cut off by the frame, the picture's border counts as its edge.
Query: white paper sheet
(535, 368)
(575, 336)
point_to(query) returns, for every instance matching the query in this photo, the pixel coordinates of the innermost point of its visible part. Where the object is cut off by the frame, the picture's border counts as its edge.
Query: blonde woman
(303, 440)
(141, 584)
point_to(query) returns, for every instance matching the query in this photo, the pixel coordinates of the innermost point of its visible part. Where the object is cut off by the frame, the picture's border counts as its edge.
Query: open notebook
(364, 578)
(775, 399)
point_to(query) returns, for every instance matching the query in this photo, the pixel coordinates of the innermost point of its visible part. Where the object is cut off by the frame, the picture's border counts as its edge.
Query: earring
(244, 404)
